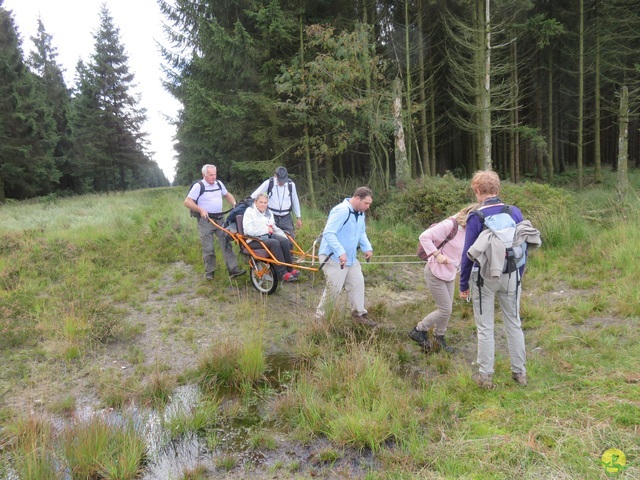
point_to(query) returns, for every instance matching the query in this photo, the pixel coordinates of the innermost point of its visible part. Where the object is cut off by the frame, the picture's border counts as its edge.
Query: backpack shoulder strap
(351, 212)
(270, 187)
(201, 183)
(479, 214)
(454, 230)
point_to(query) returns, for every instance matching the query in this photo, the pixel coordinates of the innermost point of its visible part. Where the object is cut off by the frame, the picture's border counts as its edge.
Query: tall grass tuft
(158, 388)
(352, 397)
(32, 448)
(218, 367)
(232, 366)
(252, 362)
(99, 449)
(199, 419)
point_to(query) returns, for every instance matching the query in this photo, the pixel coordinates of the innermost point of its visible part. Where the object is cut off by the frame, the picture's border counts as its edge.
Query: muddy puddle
(170, 456)
(227, 447)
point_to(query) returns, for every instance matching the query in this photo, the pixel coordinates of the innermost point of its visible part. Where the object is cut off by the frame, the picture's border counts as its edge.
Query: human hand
(299, 223)
(343, 260)
(368, 255)
(442, 258)
(464, 295)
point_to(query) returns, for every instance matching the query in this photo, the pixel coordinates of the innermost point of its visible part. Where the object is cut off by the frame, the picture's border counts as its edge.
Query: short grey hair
(208, 166)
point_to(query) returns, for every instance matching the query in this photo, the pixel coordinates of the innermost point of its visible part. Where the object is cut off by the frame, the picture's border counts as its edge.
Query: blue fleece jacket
(344, 232)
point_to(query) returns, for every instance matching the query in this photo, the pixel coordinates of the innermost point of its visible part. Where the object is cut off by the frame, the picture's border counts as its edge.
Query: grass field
(78, 274)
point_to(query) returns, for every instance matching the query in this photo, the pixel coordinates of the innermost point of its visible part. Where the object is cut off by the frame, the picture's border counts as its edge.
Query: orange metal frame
(296, 252)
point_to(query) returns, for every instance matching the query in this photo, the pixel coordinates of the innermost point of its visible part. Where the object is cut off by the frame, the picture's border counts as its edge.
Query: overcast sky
(72, 24)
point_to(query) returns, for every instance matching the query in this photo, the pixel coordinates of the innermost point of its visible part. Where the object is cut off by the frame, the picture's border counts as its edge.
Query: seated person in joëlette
(258, 222)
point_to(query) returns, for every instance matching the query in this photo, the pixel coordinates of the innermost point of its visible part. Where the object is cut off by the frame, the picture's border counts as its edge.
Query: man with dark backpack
(488, 270)
(204, 200)
(283, 199)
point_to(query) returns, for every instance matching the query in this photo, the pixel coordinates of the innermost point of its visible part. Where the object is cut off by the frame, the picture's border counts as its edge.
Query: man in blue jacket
(484, 291)
(344, 232)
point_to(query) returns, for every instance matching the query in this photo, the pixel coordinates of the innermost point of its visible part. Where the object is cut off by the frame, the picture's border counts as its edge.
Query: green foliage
(333, 90)
(538, 202)
(27, 129)
(425, 201)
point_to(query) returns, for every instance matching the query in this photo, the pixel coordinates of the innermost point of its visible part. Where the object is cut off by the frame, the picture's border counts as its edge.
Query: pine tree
(27, 130)
(107, 119)
(50, 81)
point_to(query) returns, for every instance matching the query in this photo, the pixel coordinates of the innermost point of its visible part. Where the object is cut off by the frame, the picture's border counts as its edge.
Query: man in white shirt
(283, 199)
(205, 199)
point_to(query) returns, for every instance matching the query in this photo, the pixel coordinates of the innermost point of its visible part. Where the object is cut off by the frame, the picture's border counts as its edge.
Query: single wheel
(263, 277)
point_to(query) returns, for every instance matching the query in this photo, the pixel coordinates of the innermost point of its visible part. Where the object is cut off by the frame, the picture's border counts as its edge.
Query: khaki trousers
(349, 278)
(507, 291)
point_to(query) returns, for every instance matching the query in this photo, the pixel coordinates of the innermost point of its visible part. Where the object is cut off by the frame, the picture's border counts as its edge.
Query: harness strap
(479, 283)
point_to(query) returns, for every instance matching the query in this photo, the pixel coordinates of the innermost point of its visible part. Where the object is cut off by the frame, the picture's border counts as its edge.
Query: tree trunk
(623, 144)
(550, 136)
(307, 164)
(485, 91)
(373, 151)
(514, 144)
(580, 96)
(539, 153)
(432, 116)
(407, 56)
(424, 131)
(402, 164)
(597, 162)
(307, 153)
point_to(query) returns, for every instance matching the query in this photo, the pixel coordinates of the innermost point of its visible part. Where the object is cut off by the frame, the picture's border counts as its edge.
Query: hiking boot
(237, 272)
(289, 277)
(440, 344)
(209, 276)
(421, 339)
(483, 381)
(519, 378)
(365, 320)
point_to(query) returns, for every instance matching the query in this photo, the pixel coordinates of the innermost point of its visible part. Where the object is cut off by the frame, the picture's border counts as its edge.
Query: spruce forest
(61, 140)
(378, 90)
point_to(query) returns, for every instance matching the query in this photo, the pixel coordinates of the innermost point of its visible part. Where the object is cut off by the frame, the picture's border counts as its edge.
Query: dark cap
(282, 175)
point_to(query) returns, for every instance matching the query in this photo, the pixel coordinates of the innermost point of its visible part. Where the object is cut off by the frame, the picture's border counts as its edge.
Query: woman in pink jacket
(440, 274)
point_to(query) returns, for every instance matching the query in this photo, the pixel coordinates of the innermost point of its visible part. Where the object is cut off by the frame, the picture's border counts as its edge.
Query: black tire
(263, 277)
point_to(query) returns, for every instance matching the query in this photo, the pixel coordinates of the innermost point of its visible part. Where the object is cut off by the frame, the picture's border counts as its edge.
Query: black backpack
(202, 190)
(290, 185)
(270, 187)
(239, 209)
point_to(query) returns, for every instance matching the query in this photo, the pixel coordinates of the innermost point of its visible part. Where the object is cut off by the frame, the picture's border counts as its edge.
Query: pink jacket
(434, 236)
